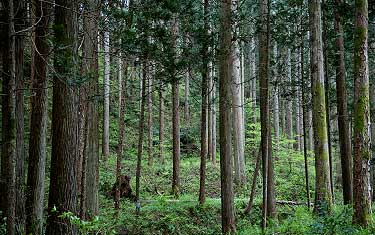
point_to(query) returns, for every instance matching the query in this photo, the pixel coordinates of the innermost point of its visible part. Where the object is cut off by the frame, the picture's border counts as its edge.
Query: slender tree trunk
(209, 111)
(288, 102)
(327, 97)
(323, 196)
(205, 77)
(263, 69)
(105, 141)
(187, 94)
(140, 136)
(213, 150)
(122, 106)
(63, 186)
(297, 103)
(276, 117)
(237, 119)
(176, 119)
(361, 169)
(225, 72)
(150, 121)
(254, 183)
(253, 79)
(304, 117)
(161, 122)
(9, 138)
(38, 124)
(344, 138)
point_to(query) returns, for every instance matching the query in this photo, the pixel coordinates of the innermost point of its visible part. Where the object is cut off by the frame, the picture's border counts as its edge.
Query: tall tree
(225, 73)
(175, 115)
(323, 196)
(105, 140)
(63, 190)
(8, 153)
(90, 174)
(38, 123)
(150, 121)
(237, 118)
(19, 24)
(361, 176)
(344, 138)
(205, 77)
(161, 122)
(140, 135)
(268, 208)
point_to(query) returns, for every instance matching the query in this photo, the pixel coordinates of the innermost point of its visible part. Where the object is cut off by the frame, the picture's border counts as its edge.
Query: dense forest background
(187, 117)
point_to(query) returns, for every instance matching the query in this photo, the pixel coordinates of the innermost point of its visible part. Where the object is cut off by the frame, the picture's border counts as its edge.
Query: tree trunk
(297, 103)
(344, 138)
(327, 97)
(209, 110)
(63, 186)
(361, 177)
(225, 73)
(105, 141)
(237, 119)
(122, 106)
(253, 185)
(276, 117)
(187, 92)
(175, 119)
(90, 175)
(161, 122)
(253, 80)
(323, 196)
(9, 138)
(263, 69)
(20, 22)
(38, 124)
(140, 136)
(304, 117)
(205, 77)
(150, 122)
(288, 102)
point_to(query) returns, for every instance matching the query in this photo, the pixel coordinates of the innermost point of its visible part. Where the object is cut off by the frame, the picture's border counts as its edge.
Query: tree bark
(323, 196)
(187, 94)
(205, 77)
(20, 22)
(237, 119)
(161, 122)
(361, 177)
(225, 72)
(150, 121)
(9, 138)
(90, 175)
(38, 124)
(105, 141)
(344, 138)
(63, 186)
(288, 102)
(140, 136)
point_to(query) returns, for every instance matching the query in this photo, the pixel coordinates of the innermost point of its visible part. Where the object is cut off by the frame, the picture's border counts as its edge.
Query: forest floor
(161, 213)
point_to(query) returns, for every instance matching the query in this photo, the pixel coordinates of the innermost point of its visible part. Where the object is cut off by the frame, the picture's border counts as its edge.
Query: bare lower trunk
(323, 196)
(161, 122)
(225, 72)
(361, 177)
(343, 124)
(38, 123)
